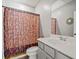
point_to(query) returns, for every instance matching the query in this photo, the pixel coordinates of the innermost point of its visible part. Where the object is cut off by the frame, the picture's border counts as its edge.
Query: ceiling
(31, 3)
(34, 3)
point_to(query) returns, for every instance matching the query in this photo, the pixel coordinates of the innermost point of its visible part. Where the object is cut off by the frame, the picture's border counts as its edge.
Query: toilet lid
(32, 49)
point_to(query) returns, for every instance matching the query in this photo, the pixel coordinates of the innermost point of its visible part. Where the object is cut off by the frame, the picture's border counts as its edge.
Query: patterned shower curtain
(21, 30)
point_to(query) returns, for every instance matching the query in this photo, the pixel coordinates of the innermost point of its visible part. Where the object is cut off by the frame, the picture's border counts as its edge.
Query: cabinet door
(61, 56)
(48, 57)
(41, 45)
(50, 51)
(41, 54)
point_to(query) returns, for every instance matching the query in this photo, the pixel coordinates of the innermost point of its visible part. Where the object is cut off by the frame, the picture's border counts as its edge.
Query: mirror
(63, 27)
(65, 16)
(53, 25)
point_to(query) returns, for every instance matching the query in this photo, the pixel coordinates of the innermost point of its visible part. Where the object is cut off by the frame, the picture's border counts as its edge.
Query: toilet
(32, 52)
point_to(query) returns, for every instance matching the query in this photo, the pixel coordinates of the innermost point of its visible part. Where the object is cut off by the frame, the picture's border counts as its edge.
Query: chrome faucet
(61, 38)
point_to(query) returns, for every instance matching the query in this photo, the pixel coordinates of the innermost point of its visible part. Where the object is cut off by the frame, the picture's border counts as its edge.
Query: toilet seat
(32, 50)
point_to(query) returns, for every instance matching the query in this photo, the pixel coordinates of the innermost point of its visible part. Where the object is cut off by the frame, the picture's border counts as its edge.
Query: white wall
(19, 6)
(62, 13)
(59, 3)
(74, 24)
(44, 9)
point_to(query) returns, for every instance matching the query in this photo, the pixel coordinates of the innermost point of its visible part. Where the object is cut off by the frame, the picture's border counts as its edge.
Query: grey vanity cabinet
(48, 57)
(46, 52)
(49, 51)
(41, 45)
(61, 56)
(41, 54)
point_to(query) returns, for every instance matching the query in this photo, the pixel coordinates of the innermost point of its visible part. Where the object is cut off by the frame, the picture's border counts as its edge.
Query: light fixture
(46, 7)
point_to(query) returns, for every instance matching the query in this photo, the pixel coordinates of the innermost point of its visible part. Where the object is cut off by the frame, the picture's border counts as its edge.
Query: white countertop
(67, 47)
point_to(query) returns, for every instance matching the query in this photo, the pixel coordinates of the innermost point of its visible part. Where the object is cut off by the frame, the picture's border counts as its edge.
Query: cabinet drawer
(50, 51)
(61, 56)
(41, 45)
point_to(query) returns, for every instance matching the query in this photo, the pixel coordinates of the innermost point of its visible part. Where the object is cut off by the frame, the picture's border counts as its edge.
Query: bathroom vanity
(56, 47)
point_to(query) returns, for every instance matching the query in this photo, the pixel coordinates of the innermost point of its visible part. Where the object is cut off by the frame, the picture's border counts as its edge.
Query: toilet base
(33, 57)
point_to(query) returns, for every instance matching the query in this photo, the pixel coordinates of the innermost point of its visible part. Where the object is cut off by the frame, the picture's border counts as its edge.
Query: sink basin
(63, 41)
(60, 40)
